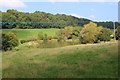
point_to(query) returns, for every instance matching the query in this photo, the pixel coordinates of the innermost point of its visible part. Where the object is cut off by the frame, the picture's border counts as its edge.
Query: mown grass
(79, 61)
(25, 33)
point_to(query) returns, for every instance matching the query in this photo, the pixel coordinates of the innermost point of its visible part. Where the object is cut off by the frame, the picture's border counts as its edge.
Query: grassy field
(25, 33)
(78, 61)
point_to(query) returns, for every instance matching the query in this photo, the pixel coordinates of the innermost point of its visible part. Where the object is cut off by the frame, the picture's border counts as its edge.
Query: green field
(25, 33)
(78, 61)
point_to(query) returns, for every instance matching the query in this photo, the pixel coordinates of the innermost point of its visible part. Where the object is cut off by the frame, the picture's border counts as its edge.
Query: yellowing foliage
(90, 32)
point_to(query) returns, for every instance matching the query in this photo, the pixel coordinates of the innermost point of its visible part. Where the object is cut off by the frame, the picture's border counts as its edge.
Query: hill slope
(80, 61)
(15, 19)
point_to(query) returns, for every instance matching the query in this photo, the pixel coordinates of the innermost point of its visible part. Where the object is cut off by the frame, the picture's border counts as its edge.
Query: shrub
(82, 41)
(0, 40)
(117, 33)
(61, 35)
(16, 48)
(9, 41)
(104, 34)
(89, 32)
(68, 32)
(22, 41)
(76, 32)
(50, 37)
(40, 36)
(45, 38)
(55, 37)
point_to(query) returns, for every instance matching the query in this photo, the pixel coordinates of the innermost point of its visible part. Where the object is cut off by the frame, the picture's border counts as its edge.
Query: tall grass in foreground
(81, 61)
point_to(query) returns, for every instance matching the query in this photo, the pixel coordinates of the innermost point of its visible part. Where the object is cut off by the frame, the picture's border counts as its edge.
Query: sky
(96, 10)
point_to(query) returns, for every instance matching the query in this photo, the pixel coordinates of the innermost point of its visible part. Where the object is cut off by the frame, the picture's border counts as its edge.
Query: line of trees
(90, 33)
(15, 19)
(49, 20)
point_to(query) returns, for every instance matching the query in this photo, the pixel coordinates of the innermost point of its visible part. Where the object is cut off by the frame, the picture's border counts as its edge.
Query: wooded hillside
(15, 19)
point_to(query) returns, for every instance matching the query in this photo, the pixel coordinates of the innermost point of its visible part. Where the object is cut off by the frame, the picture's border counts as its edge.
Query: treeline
(14, 19)
(90, 33)
(21, 20)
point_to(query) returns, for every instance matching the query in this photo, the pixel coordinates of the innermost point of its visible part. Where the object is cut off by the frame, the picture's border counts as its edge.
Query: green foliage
(61, 35)
(9, 41)
(118, 33)
(76, 31)
(69, 32)
(104, 34)
(40, 36)
(22, 41)
(0, 39)
(89, 33)
(45, 38)
(49, 20)
(107, 24)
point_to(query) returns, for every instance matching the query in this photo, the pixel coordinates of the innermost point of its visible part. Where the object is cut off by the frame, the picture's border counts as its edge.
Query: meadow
(79, 61)
(23, 34)
(51, 58)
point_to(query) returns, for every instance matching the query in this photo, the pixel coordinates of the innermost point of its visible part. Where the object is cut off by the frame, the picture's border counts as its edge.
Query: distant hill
(15, 19)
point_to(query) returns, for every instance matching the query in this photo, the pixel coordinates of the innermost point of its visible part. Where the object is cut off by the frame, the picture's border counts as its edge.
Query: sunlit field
(26, 33)
(78, 61)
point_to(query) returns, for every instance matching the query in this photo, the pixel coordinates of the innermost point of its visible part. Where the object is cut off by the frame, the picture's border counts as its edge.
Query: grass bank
(78, 61)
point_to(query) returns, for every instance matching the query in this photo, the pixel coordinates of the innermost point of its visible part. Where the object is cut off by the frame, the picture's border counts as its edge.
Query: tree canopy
(14, 19)
(24, 20)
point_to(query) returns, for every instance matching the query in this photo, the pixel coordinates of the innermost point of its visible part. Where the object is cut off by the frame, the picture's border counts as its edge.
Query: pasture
(26, 33)
(78, 61)
(23, 34)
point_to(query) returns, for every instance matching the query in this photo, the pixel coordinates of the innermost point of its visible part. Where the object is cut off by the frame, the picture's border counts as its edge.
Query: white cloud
(92, 16)
(12, 3)
(76, 15)
(3, 10)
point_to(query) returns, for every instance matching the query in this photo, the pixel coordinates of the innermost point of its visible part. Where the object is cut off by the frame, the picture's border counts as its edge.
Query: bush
(82, 40)
(50, 37)
(118, 33)
(40, 36)
(89, 32)
(104, 34)
(55, 37)
(9, 41)
(22, 41)
(45, 38)
(16, 48)
(69, 32)
(0, 40)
